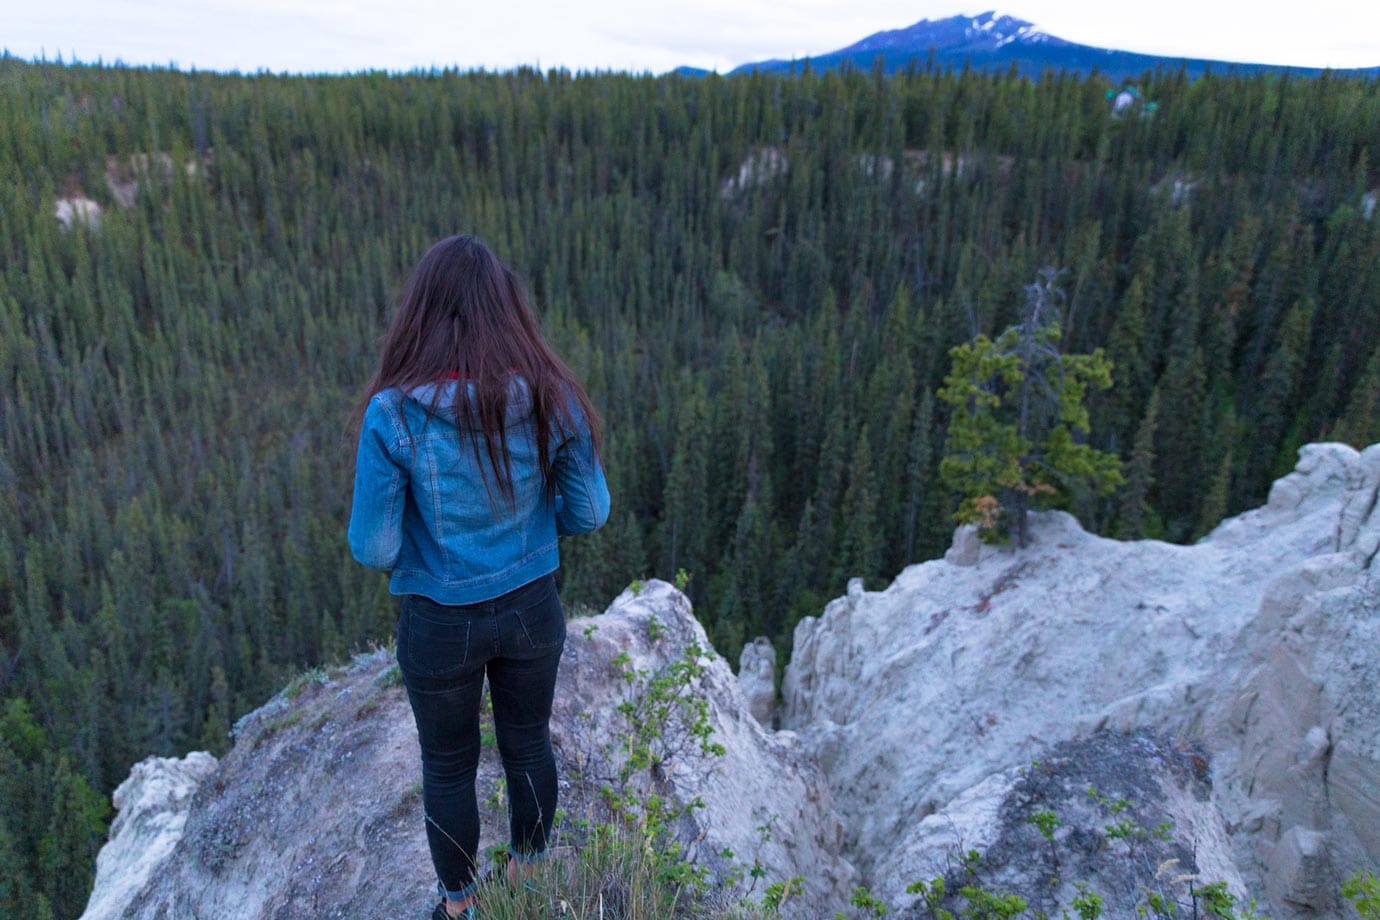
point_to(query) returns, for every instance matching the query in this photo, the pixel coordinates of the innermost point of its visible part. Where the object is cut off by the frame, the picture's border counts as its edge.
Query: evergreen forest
(758, 277)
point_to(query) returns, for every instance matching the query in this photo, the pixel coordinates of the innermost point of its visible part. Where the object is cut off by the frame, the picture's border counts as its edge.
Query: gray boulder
(757, 677)
(1123, 816)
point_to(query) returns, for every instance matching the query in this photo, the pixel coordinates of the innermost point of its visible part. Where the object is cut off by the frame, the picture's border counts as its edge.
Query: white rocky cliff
(1258, 648)
(316, 812)
(152, 810)
(1219, 697)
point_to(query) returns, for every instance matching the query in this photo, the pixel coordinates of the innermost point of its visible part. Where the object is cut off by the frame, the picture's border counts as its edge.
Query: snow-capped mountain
(996, 41)
(984, 32)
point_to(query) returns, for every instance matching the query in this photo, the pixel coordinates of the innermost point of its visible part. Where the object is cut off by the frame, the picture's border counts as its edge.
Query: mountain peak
(984, 32)
(996, 41)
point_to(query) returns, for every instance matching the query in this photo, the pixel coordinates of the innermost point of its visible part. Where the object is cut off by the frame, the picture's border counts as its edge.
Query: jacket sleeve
(582, 500)
(380, 492)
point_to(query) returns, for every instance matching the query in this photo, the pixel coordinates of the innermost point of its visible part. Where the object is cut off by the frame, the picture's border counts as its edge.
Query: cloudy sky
(642, 35)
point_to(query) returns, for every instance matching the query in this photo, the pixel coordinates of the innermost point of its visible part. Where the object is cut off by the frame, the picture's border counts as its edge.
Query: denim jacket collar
(441, 395)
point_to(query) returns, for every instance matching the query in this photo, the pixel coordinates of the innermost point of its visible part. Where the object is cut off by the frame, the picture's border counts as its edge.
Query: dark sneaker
(439, 912)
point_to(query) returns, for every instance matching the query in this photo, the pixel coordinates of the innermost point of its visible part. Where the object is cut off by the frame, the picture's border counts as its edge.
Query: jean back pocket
(539, 621)
(431, 642)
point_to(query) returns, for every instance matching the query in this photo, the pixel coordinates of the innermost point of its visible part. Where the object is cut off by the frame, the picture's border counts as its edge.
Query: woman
(477, 448)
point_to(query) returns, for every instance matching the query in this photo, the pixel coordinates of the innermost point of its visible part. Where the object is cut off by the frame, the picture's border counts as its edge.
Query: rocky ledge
(1258, 648)
(316, 812)
(1136, 717)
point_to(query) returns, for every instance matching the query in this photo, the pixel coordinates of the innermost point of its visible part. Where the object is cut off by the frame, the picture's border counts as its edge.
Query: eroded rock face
(316, 811)
(1125, 813)
(152, 810)
(757, 677)
(316, 808)
(1304, 781)
(765, 798)
(1225, 690)
(761, 166)
(1261, 644)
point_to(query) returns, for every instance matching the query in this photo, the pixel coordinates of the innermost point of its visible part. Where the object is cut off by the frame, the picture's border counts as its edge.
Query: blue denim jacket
(422, 509)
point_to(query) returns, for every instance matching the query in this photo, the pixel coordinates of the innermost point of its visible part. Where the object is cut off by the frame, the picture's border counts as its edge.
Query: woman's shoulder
(384, 411)
(387, 398)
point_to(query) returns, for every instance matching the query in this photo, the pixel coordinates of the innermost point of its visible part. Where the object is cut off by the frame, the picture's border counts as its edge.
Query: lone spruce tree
(1018, 415)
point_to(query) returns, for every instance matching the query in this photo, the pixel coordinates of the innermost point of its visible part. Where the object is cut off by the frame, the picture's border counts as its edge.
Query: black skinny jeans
(444, 653)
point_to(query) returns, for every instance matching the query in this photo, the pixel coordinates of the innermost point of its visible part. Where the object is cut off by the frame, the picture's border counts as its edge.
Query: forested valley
(758, 277)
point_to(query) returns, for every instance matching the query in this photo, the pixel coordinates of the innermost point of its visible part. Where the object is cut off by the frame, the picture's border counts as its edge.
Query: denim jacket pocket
(541, 621)
(430, 647)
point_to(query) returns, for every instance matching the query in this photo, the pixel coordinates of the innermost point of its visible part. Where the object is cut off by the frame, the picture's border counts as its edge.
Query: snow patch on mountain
(983, 32)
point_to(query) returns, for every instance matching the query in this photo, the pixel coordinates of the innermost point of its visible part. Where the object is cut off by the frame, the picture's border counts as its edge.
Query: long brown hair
(463, 314)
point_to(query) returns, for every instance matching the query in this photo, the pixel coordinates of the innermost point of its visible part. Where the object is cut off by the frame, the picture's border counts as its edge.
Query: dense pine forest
(759, 278)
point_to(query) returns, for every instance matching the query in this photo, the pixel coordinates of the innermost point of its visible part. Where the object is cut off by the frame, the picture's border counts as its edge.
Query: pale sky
(642, 35)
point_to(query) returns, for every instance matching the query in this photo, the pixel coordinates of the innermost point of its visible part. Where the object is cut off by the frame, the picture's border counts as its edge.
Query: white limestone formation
(764, 797)
(757, 677)
(1225, 691)
(316, 811)
(759, 167)
(77, 210)
(1260, 644)
(152, 810)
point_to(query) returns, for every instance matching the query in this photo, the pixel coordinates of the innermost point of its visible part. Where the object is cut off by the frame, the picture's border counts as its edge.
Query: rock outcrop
(1260, 646)
(761, 166)
(316, 811)
(757, 677)
(1123, 814)
(152, 811)
(77, 209)
(124, 176)
(1140, 717)
(764, 797)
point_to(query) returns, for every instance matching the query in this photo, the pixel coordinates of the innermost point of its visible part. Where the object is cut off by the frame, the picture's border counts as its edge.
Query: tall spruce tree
(1134, 504)
(860, 548)
(1018, 405)
(1359, 426)
(918, 470)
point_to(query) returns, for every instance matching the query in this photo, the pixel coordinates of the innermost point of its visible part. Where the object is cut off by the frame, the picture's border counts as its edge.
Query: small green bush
(1363, 891)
